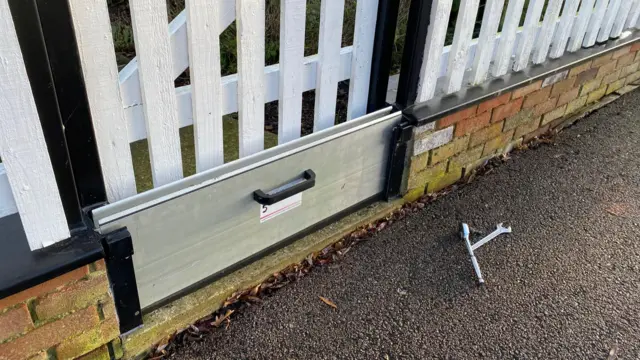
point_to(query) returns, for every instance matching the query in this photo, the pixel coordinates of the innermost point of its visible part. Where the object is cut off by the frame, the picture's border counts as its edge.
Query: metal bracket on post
(118, 249)
(401, 136)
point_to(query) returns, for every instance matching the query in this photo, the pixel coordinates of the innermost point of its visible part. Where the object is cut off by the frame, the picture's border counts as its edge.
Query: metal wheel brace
(471, 248)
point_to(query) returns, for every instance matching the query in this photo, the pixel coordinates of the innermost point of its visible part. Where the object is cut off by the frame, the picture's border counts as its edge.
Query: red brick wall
(71, 316)
(454, 145)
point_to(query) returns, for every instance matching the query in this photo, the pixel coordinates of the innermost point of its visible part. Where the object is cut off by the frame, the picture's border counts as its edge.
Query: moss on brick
(590, 86)
(498, 143)
(88, 341)
(485, 134)
(445, 152)
(528, 127)
(576, 104)
(555, 114)
(614, 86)
(414, 194)
(75, 296)
(425, 176)
(451, 177)
(418, 163)
(596, 95)
(468, 157)
(519, 119)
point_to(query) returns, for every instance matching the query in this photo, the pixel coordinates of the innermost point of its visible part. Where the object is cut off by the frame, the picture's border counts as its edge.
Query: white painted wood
(95, 46)
(525, 46)
(595, 22)
(507, 38)
(546, 34)
(461, 39)
(151, 38)
(135, 115)
(363, 37)
(580, 25)
(563, 30)
(7, 203)
(488, 31)
(23, 148)
(206, 82)
(634, 13)
(292, 35)
(129, 80)
(250, 23)
(330, 42)
(609, 19)
(621, 18)
(440, 12)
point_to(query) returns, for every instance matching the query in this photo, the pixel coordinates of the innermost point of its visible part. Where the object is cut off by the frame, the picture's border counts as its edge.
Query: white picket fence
(141, 101)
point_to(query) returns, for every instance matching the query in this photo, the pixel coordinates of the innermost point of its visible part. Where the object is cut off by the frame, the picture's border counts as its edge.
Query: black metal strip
(417, 26)
(66, 68)
(385, 33)
(27, 24)
(401, 136)
(118, 248)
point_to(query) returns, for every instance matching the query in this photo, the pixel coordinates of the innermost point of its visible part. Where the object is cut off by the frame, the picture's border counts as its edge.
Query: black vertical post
(27, 24)
(66, 69)
(47, 41)
(385, 33)
(417, 27)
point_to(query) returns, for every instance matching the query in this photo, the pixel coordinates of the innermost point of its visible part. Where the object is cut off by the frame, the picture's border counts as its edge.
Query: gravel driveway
(564, 285)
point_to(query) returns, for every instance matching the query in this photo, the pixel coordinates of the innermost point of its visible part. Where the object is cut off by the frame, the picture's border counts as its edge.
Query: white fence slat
(129, 75)
(523, 52)
(508, 38)
(580, 26)
(23, 148)
(621, 18)
(488, 31)
(151, 38)
(95, 46)
(595, 22)
(546, 34)
(250, 18)
(440, 12)
(292, 35)
(206, 82)
(461, 39)
(330, 42)
(609, 19)
(7, 203)
(563, 31)
(363, 37)
(634, 13)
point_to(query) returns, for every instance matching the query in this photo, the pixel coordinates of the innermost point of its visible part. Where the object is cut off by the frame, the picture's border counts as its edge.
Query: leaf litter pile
(240, 301)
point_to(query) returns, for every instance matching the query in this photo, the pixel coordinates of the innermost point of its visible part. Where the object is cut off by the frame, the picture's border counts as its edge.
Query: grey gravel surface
(564, 285)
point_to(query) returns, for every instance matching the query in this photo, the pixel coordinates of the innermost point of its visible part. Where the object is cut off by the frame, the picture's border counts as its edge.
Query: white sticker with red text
(268, 212)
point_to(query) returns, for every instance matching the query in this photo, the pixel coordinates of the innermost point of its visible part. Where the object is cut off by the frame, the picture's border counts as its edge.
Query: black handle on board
(297, 186)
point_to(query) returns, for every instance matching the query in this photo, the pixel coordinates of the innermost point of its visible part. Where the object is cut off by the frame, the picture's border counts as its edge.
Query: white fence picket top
(363, 37)
(440, 12)
(508, 38)
(23, 148)
(292, 36)
(488, 31)
(157, 89)
(595, 22)
(95, 47)
(545, 36)
(634, 13)
(330, 42)
(563, 30)
(621, 18)
(250, 16)
(461, 39)
(523, 52)
(580, 26)
(206, 82)
(7, 203)
(609, 20)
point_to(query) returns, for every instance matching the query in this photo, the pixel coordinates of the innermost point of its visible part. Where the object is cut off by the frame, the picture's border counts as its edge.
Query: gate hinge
(401, 136)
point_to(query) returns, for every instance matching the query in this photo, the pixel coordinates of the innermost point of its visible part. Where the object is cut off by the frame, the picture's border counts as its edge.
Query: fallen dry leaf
(219, 320)
(328, 302)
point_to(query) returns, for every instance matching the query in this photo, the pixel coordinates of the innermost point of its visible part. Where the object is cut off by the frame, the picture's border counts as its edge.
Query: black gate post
(49, 49)
(385, 33)
(412, 56)
(417, 27)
